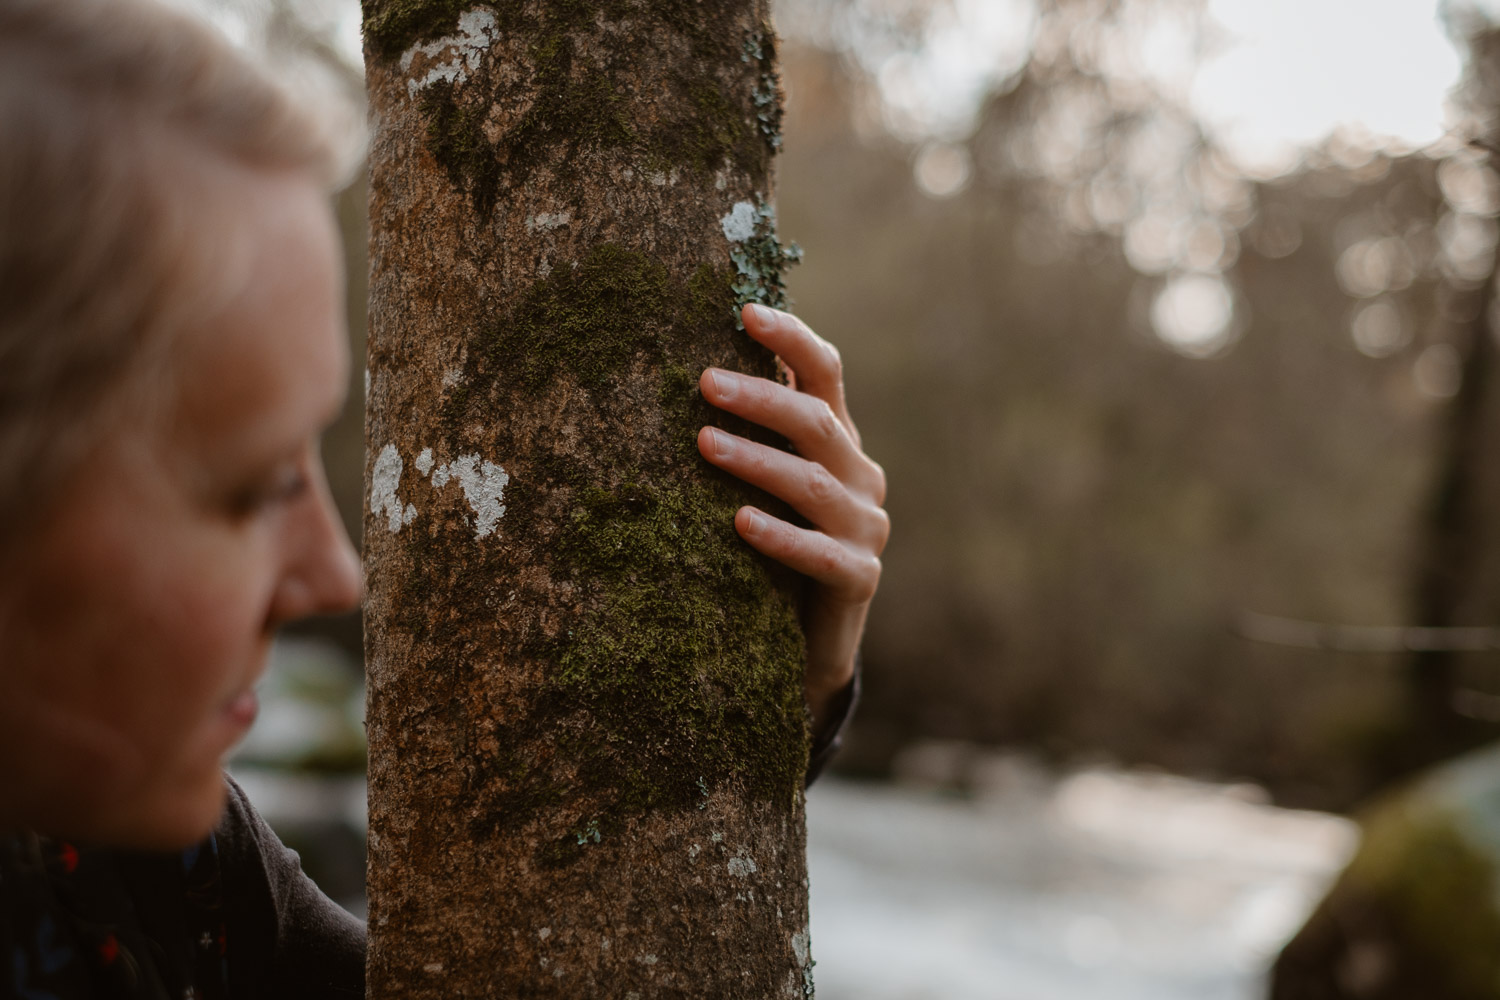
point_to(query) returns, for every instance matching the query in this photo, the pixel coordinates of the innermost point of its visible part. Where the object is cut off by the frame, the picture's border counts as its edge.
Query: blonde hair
(100, 101)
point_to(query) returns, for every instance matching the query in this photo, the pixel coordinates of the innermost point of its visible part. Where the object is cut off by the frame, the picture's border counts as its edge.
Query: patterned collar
(92, 923)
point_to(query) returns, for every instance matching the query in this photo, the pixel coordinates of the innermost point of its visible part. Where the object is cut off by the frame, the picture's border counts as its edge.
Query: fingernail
(756, 522)
(723, 443)
(762, 314)
(723, 383)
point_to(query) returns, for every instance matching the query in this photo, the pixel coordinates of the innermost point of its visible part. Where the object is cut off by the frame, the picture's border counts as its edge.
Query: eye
(289, 485)
(281, 486)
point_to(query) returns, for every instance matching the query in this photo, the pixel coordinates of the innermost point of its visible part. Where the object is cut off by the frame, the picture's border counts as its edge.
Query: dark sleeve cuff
(828, 742)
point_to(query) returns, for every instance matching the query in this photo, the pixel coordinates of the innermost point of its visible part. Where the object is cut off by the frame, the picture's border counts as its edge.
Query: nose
(322, 573)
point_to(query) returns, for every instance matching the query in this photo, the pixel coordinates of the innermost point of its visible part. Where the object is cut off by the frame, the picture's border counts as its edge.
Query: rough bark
(587, 736)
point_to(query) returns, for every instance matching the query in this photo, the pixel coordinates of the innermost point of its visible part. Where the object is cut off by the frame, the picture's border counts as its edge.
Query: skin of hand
(829, 480)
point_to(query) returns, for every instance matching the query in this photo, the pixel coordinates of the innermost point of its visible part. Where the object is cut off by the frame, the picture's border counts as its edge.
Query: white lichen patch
(694, 850)
(385, 480)
(547, 221)
(801, 947)
(739, 224)
(452, 377)
(544, 933)
(433, 967)
(742, 865)
(483, 483)
(477, 31)
(424, 461)
(646, 959)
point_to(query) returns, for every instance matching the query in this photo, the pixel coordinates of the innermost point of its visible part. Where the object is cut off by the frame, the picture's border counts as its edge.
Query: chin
(170, 815)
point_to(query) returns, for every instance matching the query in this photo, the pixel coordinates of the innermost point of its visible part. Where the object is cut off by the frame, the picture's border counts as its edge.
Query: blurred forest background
(1194, 464)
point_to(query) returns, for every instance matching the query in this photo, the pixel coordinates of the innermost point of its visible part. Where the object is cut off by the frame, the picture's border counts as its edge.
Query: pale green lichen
(768, 111)
(754, 49)
(761, 261)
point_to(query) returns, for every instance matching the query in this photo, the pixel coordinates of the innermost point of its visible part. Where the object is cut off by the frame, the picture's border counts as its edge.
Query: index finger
(815, 362)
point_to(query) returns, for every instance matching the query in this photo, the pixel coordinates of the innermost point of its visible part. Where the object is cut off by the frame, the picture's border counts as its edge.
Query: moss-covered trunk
(587, 736)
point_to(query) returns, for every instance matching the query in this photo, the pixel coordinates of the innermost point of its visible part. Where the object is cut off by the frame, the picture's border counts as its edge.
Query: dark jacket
(233, 918)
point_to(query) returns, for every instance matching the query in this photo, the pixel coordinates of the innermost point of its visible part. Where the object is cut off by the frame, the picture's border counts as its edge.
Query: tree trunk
(1457, 572)
(1458, 568)
(1458, 565)
(587, 734)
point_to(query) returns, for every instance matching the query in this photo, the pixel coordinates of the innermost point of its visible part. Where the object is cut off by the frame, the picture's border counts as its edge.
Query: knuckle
(825, 422)
(882, 533)
(878, 482)
(827, 561)
(822, 486)
(869, 577)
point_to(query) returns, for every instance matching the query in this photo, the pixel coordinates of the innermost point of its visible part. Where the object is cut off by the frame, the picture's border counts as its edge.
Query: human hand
(829, 480)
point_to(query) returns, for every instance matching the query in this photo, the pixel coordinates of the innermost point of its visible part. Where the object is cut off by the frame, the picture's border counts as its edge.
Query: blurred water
(1100, 885)
(1093, 884)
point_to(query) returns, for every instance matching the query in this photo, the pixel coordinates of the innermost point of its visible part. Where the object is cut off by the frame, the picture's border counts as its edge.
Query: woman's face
(136, 619)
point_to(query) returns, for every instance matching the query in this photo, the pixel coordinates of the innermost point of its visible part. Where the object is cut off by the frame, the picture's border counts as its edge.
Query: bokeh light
(1194, 313)
(1291, 71)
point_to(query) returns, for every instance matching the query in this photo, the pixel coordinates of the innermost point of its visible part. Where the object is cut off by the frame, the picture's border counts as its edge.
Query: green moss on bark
(587, 320)
(577, 108)
(687, 659)
(591, 319)
(455, 137)
(393, 26)
(680, 664)
(712, 132)
(692, 118)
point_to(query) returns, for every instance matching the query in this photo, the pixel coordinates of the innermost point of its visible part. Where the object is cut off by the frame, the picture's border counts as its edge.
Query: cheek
(119, 654)
(202, 635)
(146, 633)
